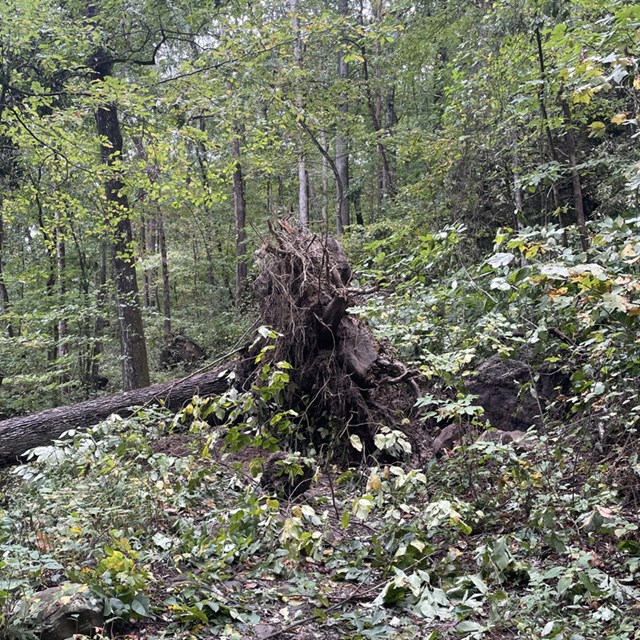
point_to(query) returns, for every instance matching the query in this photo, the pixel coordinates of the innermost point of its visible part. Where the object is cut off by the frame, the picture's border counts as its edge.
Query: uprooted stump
(345, 381)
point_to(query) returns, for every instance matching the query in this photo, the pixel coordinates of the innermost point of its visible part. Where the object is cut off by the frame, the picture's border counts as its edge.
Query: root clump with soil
(345, 382)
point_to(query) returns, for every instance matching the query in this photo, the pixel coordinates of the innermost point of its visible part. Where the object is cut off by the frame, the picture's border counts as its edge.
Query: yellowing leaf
(619, 118)
(374, 483)
(557, 293)
(598, 129)
(356, 443)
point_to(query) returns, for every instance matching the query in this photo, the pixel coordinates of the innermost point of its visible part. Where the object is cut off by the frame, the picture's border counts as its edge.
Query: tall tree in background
(135, 365)
(303, 177)
(341, 143)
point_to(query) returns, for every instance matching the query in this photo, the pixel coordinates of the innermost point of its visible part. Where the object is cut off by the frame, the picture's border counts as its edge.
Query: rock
(448, 438)
(501, 437)
(287, 475)
(508, 406)
(60, 612)
(264, 630)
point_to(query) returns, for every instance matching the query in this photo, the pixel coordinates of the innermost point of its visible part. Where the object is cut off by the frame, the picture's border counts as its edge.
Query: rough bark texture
(240, 213)
(575, 176)
(22, 433)
(135, 368)
(4, 293)
(303, 178)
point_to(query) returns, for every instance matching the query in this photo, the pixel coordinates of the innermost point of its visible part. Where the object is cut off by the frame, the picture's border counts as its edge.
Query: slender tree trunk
(166, 292)
(517, 190)
(4, 292)
(61, 264)
(575, 175)
(159, 239)
(99, 323)
(240, 211)
(325, 184)
(135, 367)
(341, 145)
(547, 129)
(303, 187)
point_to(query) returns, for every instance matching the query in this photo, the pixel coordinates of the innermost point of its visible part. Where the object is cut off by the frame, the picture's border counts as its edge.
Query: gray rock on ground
(60, 612)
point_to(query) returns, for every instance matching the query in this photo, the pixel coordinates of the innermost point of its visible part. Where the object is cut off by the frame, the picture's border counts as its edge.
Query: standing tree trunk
(575, 175)
(303, 178)
(342, 147)
(166, 292)
(93, 371)
(325, 184)
(4, 293)
(133, 348)
(61, 264)
(240, 212)
(547, 129)
(158, 234)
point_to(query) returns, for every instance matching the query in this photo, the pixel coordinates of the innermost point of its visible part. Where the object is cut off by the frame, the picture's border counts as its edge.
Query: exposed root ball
(343, 378)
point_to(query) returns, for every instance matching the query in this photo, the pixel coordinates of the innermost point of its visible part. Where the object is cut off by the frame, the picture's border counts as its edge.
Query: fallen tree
(19, 434)
(345, 381)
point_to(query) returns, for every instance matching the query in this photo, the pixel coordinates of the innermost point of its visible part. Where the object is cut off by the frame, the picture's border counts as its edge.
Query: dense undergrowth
(162, 519)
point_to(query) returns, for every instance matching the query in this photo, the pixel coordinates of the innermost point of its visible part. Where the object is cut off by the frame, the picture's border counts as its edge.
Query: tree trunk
(325, 184)
(153, 171)
(61, 264)
(166, 292)
(240, 211)
(547, 129)
(18, 435)
(93, 370)
(4, 293)
(135, 367)
(342, 147)
(575, 176)
(303, 186)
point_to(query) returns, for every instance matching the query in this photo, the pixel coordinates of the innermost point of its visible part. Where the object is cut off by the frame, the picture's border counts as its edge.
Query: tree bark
(325, 184)
(342, 147)
(166, 291)
(18, 435)
(4, 292)
(62, 347)
(240, 212)
(303, 178)
(93, 370)
(547, 129)
(135, 367)
(575, 176)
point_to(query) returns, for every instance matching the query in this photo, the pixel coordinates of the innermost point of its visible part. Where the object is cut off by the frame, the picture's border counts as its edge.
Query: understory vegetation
(162, 518)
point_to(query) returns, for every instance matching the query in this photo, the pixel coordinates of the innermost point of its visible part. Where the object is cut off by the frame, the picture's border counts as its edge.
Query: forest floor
(174, 533)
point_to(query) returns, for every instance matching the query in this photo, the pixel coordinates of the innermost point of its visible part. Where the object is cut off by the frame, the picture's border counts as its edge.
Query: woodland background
(478, 161)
